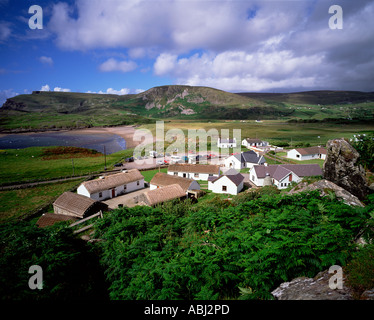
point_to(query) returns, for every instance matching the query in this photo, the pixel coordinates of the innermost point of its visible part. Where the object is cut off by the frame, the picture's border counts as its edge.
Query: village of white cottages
(188, 179)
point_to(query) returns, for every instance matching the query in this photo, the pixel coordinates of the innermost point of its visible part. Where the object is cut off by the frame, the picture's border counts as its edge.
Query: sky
(122, 47)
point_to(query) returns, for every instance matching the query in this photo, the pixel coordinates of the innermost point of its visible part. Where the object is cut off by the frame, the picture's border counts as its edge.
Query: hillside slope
(59, 110)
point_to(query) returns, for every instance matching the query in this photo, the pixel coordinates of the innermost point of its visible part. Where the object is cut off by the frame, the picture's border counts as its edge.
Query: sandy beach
(126, 132)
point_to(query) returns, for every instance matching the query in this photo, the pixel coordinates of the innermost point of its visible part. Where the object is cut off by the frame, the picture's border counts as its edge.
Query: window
(137, 183)
(253, 178)
(210, 174)
(100, 194)
(290, 177)
(297, 156)
(125, 187)
(224, 188)
(196, 175)
(175, 173)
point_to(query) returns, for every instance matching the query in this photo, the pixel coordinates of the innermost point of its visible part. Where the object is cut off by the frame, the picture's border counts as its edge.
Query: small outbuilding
(77, 206)
(161, 179)
(157, 196)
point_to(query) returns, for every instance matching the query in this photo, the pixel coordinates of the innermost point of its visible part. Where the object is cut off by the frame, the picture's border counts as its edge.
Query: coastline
(125, 132)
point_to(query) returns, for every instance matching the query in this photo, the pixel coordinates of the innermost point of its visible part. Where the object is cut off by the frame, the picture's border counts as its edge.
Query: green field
(28, 165)
(20, 203)
(274, 131)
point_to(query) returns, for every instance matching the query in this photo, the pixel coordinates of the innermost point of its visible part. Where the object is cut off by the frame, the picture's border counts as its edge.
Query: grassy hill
(59, 110)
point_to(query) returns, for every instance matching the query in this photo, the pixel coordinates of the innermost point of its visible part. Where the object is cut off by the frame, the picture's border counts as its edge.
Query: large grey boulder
(341, 167)
(325, 186)
(316, 288)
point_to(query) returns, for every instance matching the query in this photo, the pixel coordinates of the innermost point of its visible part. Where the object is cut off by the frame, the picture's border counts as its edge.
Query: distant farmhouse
(254, 143)
(111, 186)
(161, 179)
(230, 183)
(244, 160)
(194, 171)
(307, 153)
(226, 143)
(157, 196)
(281, 176)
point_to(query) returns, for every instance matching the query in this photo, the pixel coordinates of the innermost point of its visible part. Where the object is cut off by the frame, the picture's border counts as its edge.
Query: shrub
(360, 270)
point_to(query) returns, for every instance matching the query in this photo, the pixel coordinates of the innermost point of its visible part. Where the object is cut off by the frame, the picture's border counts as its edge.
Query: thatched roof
(49, 219)
(112, 181)
(162, 179)
(76, 204)
(156, 196)
(194, 168)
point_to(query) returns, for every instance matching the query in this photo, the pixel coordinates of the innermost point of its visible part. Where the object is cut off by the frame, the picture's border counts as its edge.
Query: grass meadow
(274, 131)
(29, 165)
(20, 203)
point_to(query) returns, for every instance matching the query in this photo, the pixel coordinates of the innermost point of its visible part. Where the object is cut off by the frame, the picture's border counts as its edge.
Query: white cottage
(307, 153)
(226, 143)
(111, 186)
(194, 171)
(283, 175)
(244, 160)
(227, 183)
(248, 142)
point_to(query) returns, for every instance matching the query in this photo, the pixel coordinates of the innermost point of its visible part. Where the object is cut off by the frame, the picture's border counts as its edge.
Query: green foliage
(360, 271)
(365, 147)
(70, 268)
(245, 250)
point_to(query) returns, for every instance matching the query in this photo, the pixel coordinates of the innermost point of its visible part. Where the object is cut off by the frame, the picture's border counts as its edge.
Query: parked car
(119, 164)
(131, 159)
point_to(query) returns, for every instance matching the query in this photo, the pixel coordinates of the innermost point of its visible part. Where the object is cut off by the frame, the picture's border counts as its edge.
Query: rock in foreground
(341, 167)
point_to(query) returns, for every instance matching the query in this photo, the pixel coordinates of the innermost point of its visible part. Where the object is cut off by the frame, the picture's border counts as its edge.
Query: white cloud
(46, 60)
(45, 88)
(122, 91)
(114, 65)
(238, 70)
(56, 89)
(165, 63)
(6, 94)
(234, 45)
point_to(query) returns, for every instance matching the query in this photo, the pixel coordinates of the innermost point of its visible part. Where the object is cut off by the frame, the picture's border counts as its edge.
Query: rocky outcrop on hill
(341, 167)
(325, 187)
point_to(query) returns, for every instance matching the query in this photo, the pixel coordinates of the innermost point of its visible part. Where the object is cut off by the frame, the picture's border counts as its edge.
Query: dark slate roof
(311, 151)
(231, 172)
(249, 156)
(280, 171)
(249, 140)
(236, 179)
